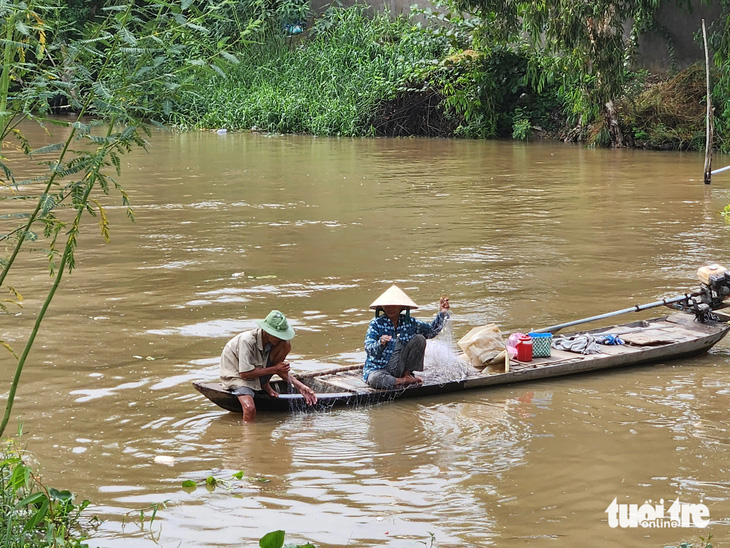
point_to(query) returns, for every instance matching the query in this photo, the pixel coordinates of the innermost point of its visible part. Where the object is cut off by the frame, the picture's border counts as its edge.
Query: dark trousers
(405, 358)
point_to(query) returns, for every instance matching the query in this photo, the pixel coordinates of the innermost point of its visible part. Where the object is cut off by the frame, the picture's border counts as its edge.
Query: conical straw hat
(393, 297)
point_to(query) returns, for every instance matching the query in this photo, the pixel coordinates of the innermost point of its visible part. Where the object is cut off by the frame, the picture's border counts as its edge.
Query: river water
(525, 235)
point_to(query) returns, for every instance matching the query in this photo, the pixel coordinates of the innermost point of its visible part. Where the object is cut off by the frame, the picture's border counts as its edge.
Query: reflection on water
(229, 227)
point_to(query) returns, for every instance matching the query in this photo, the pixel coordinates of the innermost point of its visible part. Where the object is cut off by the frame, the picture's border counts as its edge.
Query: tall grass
(329, 83)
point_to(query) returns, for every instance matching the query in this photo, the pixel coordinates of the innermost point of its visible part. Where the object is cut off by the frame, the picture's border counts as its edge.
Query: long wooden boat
(656, 340)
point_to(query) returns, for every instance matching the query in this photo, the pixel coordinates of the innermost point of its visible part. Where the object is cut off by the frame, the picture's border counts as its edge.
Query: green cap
(275, 324)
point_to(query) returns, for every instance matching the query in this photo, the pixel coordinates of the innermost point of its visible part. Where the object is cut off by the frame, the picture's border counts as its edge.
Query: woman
(396, 343)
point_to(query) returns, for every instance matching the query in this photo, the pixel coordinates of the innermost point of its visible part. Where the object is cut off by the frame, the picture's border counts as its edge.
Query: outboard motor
(715, 280)
(714, 290)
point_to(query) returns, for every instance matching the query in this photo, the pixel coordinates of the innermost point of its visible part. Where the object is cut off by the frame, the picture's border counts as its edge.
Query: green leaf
(22, 28)
(55, 147)
(61, 495)
(185, 4)
(189, 484)
(101, 90)
(238, 475)
(81, 127)
(210, 480)
(274, 539)
(38, 516)
(127, 36)
(31, 499)
(230, 57)
(199, 28)
(128, 132)
(7, 171)
(10, 461)
(99, 139)
(217, 69)
(20, 478)
(6, 345)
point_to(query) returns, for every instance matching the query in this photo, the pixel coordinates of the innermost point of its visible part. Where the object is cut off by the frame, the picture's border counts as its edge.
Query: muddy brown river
(231, 226)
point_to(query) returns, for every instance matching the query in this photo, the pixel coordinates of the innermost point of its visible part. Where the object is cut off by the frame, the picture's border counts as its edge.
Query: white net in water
(441, 363)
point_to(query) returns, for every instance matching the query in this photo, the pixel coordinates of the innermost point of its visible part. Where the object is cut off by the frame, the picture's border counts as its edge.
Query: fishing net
(441, 363)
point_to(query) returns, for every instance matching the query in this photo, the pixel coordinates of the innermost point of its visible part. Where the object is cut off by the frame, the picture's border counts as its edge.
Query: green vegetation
(703, 543)
(331, 85)
(470, 68)
(356, 73)
(726, 213)
(669, 114)
(128, 66)
(275, 539)
(587, 41)
(34, 514)
(211, 482)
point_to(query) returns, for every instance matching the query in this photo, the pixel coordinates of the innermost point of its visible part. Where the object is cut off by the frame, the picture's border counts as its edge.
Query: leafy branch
(115, 73)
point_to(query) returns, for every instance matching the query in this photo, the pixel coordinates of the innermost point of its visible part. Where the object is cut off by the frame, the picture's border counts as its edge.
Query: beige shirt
(243, 353)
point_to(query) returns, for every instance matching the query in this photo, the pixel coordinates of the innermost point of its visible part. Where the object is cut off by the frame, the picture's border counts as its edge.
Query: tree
(594, 40)
(125, 72)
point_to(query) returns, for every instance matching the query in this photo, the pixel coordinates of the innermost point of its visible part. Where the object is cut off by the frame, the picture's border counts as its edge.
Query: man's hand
(385, 339)
(307, 393)
(281, 367)
(309, 396)
(444, 305)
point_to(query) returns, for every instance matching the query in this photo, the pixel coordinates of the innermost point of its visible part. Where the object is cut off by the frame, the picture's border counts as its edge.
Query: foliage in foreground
(725, 213)
(275, 539)
(131, 65)
(704, 542)
(34, 514)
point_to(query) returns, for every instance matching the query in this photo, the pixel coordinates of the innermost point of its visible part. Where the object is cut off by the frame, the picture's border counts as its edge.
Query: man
(250, 359)
(396, 343)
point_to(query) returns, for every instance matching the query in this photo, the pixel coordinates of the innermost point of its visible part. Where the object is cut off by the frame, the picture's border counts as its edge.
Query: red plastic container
(524, 349)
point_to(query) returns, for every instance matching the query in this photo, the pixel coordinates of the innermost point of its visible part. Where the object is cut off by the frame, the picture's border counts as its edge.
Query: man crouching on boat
(250, 359)
(396, 343)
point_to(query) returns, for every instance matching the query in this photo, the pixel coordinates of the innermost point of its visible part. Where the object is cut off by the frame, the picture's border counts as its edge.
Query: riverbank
(356, 74)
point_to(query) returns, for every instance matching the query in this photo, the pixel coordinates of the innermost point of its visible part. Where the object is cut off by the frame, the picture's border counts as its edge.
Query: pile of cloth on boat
(585, 343)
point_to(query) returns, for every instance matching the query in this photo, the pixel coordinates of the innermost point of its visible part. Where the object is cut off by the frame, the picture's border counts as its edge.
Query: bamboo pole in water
(709, 134)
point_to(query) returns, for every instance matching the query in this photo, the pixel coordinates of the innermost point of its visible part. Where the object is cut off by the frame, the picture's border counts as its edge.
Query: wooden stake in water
(710, 124)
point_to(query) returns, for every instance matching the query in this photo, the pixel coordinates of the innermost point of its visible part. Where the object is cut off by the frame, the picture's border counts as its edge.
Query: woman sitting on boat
(396, 343)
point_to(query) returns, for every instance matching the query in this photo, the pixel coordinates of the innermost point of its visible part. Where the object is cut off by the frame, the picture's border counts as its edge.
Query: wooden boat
(662, 339)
